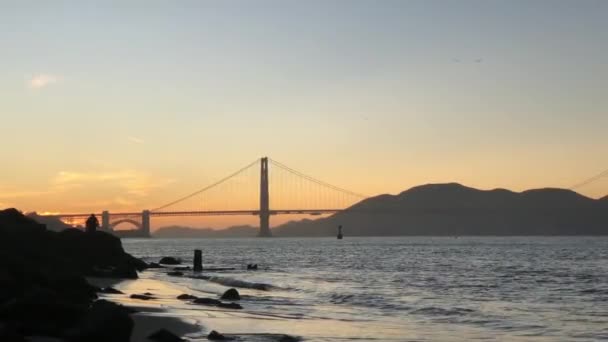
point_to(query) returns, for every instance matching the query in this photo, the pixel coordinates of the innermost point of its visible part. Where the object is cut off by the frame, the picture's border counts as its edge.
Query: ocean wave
(341, 298)
(595, 291)
(226, 281)
(437, 311)
(367, 301)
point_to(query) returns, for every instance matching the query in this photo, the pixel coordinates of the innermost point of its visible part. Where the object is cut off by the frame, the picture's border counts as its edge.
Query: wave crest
(226, 281)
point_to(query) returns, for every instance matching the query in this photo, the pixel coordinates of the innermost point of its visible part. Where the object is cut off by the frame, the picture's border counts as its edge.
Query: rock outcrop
(43, 290)
(170, 261)
(231, 294)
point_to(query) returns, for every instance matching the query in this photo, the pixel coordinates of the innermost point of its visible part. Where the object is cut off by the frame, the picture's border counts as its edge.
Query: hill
(454, 209)
(189, 232)
(52, 223)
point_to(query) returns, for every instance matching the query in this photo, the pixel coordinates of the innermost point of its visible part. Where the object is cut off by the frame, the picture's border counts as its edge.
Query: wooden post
(198, 260)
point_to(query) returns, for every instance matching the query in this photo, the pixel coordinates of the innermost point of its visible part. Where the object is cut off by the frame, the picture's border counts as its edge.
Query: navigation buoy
(340, 232)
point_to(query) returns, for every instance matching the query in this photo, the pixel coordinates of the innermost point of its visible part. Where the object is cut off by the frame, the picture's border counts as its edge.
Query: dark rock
(175, 274)
(110, 290)
(164, 335)
(98, 254)
(216, 336)
(182, 268)
(41, 311)
(207, 301)
(44, 339)
(13, 221)
(44, 292)
(154, 265)
(186, 297)
(252, 266)
(149, 293)
(230, 305)
(105, 321)
(170, 261)
(10, 334)
(141, 296)
(9, 282)
(69, 287)
(231, 294)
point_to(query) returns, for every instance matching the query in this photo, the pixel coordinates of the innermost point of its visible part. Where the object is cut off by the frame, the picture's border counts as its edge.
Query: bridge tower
(264, 200)
(105, 221)
(145, 223)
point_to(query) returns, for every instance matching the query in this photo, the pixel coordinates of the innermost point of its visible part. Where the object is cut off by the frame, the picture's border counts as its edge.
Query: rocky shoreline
(43, 289)
(56, 287)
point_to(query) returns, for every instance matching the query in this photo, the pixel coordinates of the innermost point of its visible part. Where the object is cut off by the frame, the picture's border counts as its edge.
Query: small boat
(340, 236)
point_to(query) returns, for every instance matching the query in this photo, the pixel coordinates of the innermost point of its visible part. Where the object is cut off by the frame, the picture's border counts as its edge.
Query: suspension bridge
(247, 191)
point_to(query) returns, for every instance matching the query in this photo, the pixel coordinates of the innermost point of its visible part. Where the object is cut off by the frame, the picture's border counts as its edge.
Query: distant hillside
(52, 223)
(454, 209)
(189, 232)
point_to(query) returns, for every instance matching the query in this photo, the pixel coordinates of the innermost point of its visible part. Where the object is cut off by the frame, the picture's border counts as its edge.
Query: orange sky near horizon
(125, 108)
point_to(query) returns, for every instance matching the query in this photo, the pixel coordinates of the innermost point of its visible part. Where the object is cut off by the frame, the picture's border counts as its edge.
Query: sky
(128, 105)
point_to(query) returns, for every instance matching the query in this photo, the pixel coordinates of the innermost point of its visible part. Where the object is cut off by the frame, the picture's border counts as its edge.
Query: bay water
(398, 288)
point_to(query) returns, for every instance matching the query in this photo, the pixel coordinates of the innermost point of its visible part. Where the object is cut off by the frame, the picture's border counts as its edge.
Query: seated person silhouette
(92, 224)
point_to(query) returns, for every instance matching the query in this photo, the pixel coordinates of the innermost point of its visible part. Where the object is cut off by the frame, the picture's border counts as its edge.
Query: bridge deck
(209, 213)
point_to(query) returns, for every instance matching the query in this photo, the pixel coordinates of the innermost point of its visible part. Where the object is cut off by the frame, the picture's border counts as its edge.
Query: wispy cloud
(7, 194)
(135, 140)
(130, 182)
(87, 189)
(42, 80)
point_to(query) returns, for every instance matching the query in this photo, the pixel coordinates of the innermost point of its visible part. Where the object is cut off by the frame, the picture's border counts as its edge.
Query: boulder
(231, 294)
(186, 297)
(182, 268)
(13, 221)
(110, 290)
(154, 265)
(207, 301)
(170, 261)
(98, 254)
(44, 339)
(141, 296)
(164, 335)
(44, 290)
(41, 311)
(71, 287)
(216, 336)
(8, 333)
(105, 321)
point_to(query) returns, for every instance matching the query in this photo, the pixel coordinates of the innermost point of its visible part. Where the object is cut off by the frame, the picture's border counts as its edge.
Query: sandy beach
(153, 314)
(165, 311)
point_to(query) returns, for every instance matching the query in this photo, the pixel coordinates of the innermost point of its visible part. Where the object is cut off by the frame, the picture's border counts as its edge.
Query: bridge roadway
(208, 213)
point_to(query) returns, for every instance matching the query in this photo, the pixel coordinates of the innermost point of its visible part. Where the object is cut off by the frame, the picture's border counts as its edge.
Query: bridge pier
(145, 223)
(105, 220)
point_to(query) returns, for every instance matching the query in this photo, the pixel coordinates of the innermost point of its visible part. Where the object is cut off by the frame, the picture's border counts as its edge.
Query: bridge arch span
(115, 224)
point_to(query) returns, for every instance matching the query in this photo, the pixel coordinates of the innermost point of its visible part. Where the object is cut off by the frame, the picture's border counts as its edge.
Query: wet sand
(164, 311)
(152, 315)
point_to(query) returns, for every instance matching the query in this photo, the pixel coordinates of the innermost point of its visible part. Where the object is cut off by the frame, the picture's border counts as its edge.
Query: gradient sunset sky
(127, 105)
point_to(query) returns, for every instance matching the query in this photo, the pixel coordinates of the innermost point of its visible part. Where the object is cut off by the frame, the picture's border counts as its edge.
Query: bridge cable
(314, 180)
(590, 180)
(206, 188)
